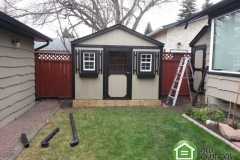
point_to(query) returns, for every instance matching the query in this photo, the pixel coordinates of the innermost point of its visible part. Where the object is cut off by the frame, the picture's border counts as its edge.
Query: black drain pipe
(24, 140)
(45, 45)
(44, 142)
(74, 130)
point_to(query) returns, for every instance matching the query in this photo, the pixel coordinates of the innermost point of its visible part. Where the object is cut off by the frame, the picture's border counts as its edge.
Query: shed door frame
(127, 73)
(195, 69)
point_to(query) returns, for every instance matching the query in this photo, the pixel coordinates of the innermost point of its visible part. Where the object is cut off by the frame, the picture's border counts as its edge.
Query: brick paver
(29, 123)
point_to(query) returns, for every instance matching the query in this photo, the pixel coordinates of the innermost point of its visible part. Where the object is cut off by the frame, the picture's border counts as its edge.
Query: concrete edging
(211, 132)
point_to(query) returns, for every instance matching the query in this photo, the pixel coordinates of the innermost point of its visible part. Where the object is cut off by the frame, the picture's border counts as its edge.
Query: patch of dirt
(184, 102)
(66, 103)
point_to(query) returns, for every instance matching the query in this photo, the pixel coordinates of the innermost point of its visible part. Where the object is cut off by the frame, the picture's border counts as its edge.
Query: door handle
(128, 72)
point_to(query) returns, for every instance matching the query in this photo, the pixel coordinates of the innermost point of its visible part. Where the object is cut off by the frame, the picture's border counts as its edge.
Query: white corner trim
(211, 132)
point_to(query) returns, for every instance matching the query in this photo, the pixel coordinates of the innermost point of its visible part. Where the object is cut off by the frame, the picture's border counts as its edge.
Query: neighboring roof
(221, 6)
(199, 35)
(170, 25)
(12, 25)
(174, 24)
(118, 26)
(55, 45)
(162, 28)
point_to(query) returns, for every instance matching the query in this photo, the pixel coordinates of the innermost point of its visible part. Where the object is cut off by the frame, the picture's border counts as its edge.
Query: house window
(225, 51)
(146, 65)
(88, 61)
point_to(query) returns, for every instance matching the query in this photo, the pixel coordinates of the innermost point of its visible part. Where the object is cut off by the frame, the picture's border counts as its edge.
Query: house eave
(12, 25)
(220, 6)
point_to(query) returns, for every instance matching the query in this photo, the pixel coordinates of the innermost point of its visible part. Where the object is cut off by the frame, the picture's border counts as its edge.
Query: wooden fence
(53, 75)
(170, 65)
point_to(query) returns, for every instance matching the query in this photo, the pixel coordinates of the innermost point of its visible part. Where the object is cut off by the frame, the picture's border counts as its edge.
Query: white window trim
(84, 69)
(145, 62)
(211, 45)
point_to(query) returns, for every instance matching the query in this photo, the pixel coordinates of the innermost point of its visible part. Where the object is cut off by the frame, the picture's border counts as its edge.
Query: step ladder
(177, 81)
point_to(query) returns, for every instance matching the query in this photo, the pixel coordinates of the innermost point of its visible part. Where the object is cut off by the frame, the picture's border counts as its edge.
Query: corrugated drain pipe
(45, 45)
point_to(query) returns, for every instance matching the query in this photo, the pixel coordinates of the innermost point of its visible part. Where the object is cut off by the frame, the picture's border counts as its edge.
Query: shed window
(146, 65)
(225, 52)
(117, 61)
(88, 61)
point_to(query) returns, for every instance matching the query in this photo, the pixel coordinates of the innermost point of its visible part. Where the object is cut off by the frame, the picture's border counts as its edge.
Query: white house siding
(17, 86)
(161, 37)
(171, 36)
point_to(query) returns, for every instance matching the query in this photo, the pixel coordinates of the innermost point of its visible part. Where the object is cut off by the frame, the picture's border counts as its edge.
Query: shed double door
(118, 73)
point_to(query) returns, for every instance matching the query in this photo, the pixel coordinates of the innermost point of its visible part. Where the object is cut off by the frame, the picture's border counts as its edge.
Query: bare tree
(97, 14)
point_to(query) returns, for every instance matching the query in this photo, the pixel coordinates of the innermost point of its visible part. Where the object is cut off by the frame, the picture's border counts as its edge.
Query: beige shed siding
(118, 37)
(145, 88)
(17, 86)
(88, 88)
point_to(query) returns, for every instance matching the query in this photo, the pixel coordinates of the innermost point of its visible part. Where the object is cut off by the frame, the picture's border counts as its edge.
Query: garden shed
(116, 66)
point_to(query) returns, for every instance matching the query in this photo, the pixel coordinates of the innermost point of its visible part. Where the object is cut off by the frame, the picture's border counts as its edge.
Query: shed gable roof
(12, 25)
(118, 26)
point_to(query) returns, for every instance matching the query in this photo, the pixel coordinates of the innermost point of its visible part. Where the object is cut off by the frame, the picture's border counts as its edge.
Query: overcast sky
(157, 17)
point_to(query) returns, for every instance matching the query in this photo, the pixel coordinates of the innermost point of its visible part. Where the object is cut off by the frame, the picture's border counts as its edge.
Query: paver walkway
(29, 123)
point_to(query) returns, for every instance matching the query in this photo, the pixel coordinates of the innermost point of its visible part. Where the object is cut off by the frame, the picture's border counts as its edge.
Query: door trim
(105, 73)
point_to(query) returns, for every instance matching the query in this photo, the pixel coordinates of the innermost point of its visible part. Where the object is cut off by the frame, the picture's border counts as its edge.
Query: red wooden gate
(53, 75)
(170, 65)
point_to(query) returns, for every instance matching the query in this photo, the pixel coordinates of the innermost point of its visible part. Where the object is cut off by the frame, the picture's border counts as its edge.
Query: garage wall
(17, 92)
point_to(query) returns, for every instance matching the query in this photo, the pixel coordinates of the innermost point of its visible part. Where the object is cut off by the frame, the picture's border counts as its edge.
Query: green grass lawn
(120, 133)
